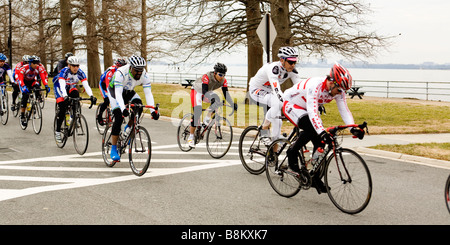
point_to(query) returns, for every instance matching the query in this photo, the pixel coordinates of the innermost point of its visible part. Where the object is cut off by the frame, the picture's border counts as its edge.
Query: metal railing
(388, 89)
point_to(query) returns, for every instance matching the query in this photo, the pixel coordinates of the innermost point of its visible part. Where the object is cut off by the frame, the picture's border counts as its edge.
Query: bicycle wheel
(4, 108)
(283, 181)
(219, 137)
(80, 134)
(252, 151)
(106, 146)
(64, 132)
(349, 181)
(42, 100)
(36, 118)
(140, 151)
(105, 116)
(447, 192)
(183, 132)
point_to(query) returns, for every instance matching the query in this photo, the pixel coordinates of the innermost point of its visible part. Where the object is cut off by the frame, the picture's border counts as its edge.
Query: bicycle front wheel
(283, 181)
(183, 132)
(348, 179)
(219, 138)
(4, 108)
(252, 151)
(36, 118)
(64, 132)
(140, 151)
(106, 146)
(80, 134)
(105, 117)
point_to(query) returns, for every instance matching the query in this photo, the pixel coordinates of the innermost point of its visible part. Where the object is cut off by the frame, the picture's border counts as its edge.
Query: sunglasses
(221, 74)
(291, 62)
(75, 65)
(35, 62)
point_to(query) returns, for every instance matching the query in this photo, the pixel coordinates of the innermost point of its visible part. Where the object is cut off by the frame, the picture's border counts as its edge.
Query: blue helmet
(3, 57)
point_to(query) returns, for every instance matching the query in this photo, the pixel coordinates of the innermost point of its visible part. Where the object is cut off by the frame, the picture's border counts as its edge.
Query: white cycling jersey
(269, 79)
(306, 97)
(123, 80)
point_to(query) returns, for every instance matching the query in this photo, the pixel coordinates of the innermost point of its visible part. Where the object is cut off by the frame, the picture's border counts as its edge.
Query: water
(397, 83)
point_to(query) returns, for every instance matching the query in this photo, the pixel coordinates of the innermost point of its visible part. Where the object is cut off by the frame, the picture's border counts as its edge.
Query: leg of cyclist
(308, 133)
(263, 97)
(25, 96)
(105, 103)
(15, 93)
(118, 119)
(196, 102)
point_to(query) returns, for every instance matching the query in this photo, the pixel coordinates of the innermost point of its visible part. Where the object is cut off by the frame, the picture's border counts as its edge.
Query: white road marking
(61, 183)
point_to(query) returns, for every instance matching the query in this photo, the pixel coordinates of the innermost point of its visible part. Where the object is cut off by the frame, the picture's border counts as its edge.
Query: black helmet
(68, 54)
(221, 68)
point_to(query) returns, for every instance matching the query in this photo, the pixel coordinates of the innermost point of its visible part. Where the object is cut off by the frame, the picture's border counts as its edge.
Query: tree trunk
(66, 27)
(107, 47)
(254, 45)
(144, 30)
(42, 38)
(92, 45)
(280, 18)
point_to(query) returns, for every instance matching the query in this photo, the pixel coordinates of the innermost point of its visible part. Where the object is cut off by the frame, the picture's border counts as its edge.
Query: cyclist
(65, 87)
(202, 90)
(105, 78)
(62, 63)
(5, 68)
(16, 91)
(121, 91)
(265, 89)
(27, 78)
(301, 107)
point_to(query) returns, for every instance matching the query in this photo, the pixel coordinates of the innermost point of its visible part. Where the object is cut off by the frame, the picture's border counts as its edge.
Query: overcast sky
(424, 27)
(421, 29)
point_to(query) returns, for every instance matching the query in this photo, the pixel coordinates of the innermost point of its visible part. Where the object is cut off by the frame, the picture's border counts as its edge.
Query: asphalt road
(42, 184)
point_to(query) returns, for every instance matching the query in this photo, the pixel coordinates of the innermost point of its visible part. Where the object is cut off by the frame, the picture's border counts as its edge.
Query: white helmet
(137, 62)
(73, 60)
(287, 52)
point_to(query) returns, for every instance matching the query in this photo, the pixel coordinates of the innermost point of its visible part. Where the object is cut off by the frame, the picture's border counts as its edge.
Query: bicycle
(348, 182)
(252, 150)
(447, 192)
(107, 118)
(74, 124)
(137, 140)
(4, 108)
(219, 133)
(33, 111)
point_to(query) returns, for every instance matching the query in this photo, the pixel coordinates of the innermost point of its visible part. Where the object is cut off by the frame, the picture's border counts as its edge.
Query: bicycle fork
(349, 178)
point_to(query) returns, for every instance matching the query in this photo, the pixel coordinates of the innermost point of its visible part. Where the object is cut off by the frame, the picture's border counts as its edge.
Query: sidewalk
(361, 146)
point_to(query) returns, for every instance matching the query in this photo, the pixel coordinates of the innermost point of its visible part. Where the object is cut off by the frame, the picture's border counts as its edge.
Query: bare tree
(316, 27)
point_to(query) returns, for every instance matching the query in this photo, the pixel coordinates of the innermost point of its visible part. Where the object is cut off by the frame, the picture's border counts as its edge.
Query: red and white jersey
(270, 77)
(310, 93)
(26, 73)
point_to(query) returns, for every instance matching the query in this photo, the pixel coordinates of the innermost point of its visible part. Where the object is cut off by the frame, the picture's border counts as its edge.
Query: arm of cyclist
(150, 100)
(228, 98)
(44, 77)
(347, 116)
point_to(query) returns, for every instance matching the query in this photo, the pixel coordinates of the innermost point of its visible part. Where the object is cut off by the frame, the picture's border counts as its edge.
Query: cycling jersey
(6, 69)
(29, 75)
(210, 80)
(17, 68)
(205, 84)
(123, 81)
(105, 79)
(306, 97)
(269, 79)
(68, 81)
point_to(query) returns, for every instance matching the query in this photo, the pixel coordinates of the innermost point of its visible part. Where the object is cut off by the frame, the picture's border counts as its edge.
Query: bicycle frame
(334, 147)
(200, 130)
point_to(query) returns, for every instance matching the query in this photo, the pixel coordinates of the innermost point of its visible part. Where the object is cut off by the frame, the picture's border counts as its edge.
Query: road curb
(405, 157)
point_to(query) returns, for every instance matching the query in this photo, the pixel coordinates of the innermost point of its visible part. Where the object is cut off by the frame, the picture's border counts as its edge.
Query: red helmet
(341, 76)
